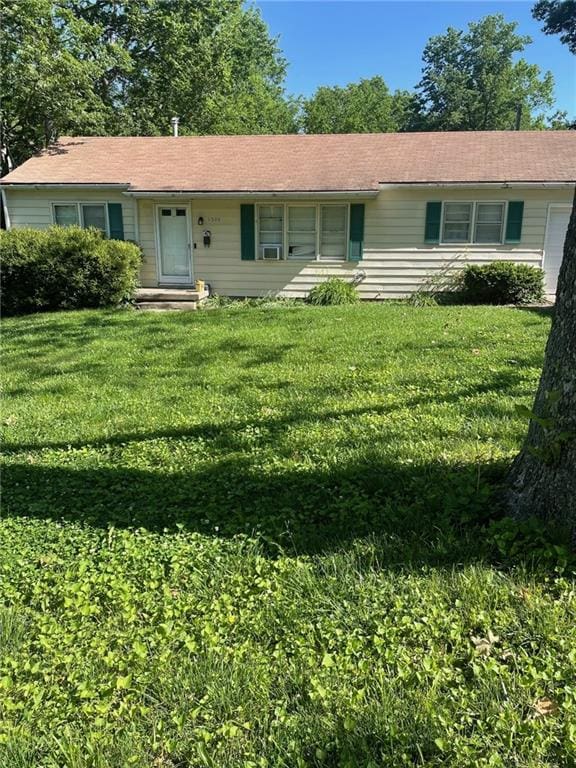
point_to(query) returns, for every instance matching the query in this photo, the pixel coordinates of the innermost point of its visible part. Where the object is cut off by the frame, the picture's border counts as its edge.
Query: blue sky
(335, 42)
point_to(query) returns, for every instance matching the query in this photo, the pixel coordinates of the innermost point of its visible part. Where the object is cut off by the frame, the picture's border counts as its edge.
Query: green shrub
(502, 282)
(333, 291)
(65, 268)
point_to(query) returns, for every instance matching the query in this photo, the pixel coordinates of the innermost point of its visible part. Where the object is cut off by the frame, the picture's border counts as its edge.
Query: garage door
(555, 234)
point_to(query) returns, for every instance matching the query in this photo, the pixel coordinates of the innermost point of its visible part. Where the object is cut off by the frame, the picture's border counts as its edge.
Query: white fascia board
(481, 184)
(320, 195)
(17, 185)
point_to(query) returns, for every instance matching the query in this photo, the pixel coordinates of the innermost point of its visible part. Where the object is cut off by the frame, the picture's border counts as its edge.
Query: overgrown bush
(502, 282)
(64, 268)
(333, 291)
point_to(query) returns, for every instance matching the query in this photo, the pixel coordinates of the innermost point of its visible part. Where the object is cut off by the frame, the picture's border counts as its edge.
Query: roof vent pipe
(174, 123)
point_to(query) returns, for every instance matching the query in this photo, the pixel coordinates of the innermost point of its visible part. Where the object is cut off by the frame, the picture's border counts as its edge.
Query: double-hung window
(489, 222)
(473, 223)
(457, 222)
(66, 215)
(302, 232)
(333, 232)
(271, 232)
(81, 214)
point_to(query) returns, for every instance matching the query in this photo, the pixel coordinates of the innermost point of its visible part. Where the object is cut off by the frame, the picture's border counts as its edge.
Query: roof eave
(305, 193)
(62, 185)
(484, 184)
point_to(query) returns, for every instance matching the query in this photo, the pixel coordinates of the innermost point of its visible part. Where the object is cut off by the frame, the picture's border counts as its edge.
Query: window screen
(270, 226)
(333, 232)
(457, 221)
(489, 220)
(94, 216)
(66, 215)
(302, 232)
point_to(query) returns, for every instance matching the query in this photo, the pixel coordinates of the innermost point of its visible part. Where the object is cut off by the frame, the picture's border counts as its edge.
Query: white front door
(174, 243)
(554, 246)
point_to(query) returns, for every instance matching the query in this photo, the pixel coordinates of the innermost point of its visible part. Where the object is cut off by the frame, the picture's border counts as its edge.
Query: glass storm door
(175, 261)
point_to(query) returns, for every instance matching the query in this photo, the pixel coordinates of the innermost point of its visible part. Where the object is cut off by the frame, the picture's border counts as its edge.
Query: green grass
(260, 537)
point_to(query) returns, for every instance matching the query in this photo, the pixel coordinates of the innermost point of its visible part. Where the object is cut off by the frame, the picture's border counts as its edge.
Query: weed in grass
(268, 539)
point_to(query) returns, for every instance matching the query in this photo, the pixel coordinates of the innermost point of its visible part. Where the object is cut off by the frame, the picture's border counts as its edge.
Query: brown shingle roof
(303, 162)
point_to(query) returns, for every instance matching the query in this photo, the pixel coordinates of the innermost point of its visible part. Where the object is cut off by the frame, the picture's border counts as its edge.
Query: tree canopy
(124, 68)
(472, 82)
(78, 66)
(559, 17)
(364, 107)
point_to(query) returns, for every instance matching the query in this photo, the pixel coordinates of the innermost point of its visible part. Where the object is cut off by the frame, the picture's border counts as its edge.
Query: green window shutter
(514, 221)
(356, 244)
(247, 233)
(433, 221)
(116, 221)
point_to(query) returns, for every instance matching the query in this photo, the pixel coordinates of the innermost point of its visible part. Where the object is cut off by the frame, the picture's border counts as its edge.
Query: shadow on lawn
(421, 513)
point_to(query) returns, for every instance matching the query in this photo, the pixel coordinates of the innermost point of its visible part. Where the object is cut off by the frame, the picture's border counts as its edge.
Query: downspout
(136, 221)
(5, 209)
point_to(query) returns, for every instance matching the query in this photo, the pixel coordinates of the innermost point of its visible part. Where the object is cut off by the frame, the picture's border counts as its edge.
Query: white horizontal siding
(396, 260)
(33, 207)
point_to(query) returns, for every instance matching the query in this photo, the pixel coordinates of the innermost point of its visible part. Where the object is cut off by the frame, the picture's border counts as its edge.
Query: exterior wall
(396, 259)
(33, 208)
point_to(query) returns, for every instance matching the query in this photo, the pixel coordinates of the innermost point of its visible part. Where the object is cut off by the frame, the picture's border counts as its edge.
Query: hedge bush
(502, 282)
(333, 291)
(64, 268)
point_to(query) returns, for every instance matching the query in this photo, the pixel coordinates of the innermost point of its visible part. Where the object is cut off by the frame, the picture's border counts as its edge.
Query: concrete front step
(169, 294)
(159, 306)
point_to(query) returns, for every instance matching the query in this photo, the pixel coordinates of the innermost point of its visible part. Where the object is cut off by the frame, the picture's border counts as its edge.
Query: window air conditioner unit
(271, 252)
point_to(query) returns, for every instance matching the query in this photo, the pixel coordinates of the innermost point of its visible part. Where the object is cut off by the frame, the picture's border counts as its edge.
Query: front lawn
(259, 537)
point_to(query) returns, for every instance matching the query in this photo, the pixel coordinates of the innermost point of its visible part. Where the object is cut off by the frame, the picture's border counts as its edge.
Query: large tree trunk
(542, 480)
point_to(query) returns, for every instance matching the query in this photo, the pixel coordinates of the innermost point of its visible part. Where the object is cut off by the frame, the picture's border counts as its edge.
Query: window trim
(80, 212)
(318, 205)
(473, 221)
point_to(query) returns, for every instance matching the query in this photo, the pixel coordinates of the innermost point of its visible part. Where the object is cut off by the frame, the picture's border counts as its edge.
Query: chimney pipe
(174, 123)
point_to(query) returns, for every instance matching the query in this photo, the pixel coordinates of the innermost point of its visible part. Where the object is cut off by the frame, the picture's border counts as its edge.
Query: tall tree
(364, 107)
(471, 82)
(212, 62)
(49, 61)
(542, 480)
(559, 17)
(119, 67)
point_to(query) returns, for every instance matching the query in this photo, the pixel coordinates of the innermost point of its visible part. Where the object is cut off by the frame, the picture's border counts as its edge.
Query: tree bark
(542, 480)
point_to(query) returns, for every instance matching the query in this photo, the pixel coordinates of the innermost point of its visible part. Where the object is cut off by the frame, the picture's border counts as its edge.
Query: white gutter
(265, 195)
(16, 185)
(5, 209)
(483, 184)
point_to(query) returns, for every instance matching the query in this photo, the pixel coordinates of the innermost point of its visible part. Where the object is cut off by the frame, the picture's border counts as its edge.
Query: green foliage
(266, 542)
(51, 62)
(125, 68)
(333, 291)
(272, 301)
(530, 540)
(443, 286)
(502, 282)
(65, 268)
(472, 81)
(364, 107)
(559, 17)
